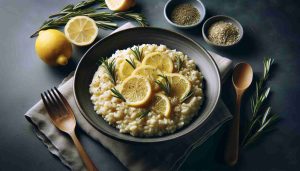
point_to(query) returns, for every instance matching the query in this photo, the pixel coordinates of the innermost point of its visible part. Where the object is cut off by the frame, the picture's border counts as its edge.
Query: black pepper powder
(185, 14)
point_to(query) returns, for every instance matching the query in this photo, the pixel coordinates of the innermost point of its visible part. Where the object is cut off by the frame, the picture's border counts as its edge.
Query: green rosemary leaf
(110, 69)
(187, 96)
(103, 19)
(131, 62)
(164, 84)
(137, 53)
(143, 113)
(117, 94)
(260, 122)
(179, 63)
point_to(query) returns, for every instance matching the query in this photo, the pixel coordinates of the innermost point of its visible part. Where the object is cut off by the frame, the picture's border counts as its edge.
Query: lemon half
(119, 5)
(81, 30)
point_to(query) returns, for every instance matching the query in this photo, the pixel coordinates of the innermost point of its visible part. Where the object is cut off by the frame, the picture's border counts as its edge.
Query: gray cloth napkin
(136, 157)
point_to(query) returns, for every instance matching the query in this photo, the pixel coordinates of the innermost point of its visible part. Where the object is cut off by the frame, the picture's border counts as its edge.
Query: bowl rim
(154, 139)
(184, 26)
(216, 17)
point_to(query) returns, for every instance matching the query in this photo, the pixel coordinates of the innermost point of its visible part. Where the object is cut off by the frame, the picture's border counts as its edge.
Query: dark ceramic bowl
(145, 35)
(173, 3)
(215, 19)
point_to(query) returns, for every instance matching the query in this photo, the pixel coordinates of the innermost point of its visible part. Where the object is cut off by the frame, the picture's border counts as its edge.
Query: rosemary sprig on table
(79, 6)
(187, 96)
(137, 53)
(261, 120)
(110, 69)
(117, 94)
(103, 19)
(179, 63)
(131, 62)
(165, 84)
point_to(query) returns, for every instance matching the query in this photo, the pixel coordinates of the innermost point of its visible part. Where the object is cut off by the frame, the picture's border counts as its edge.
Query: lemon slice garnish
(125, 69)
(136, 90)
(180, 86)
(149, 72)
(81, 30)
(161, 105)
(159, 60)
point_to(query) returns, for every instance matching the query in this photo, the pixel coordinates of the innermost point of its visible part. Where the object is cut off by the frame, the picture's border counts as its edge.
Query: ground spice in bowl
(223, 33)
(185, 14)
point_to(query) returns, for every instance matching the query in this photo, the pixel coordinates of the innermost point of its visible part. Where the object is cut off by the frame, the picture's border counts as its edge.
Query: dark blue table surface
(271, 29)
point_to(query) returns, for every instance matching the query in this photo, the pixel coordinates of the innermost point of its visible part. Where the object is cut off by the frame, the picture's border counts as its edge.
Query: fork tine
(53, 103)
(64, 100)
(60, 103)
(46, 103)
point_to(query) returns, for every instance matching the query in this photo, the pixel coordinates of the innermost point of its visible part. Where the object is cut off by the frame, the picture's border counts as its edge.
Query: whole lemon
(53, 47)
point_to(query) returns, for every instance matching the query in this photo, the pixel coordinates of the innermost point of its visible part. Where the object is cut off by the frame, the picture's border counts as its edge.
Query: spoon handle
(232, 146)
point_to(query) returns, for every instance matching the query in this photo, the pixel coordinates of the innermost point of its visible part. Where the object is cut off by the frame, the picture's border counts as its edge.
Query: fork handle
(84, 156)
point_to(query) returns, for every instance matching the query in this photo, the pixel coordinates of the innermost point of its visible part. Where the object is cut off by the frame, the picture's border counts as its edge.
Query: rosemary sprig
(179, 63)
(110, 69)
(103, 19)
(137, 53)
(165, 84)
(131, 62)
(79, 6)
(259, 123)
(117, 94)
(143, 113)
(187, 96)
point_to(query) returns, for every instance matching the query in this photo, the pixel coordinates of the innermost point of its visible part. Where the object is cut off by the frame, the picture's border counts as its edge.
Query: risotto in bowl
(147, 90)
(146, 85)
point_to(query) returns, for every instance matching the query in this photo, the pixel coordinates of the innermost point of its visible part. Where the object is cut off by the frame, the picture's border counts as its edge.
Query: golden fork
(63, 118)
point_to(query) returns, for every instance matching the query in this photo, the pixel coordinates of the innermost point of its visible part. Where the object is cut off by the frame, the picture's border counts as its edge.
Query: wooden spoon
(241, 79)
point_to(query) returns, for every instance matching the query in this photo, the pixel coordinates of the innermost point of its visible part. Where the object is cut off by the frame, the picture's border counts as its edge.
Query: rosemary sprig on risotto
(110, 68)
(165, 84)
(187, 96)
(144, 113)
(179, 63)
(117, 94)
(131, 62)
(137, 53)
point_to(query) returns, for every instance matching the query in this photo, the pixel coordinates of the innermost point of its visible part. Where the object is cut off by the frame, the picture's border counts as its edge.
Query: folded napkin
(136, 157)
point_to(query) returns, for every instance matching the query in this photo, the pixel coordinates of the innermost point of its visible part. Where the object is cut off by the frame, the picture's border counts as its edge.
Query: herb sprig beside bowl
(261, 120)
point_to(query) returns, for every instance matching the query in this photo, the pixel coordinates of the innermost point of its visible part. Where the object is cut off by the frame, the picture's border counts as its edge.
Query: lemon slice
(137, 91)
(119, 5)
(180, 86)
(159, 60)
(125, 69)
(81, 30)
(149, 72)
(161, 105)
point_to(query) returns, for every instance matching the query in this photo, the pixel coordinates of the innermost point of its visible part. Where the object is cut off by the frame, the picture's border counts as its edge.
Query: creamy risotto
(163, 112)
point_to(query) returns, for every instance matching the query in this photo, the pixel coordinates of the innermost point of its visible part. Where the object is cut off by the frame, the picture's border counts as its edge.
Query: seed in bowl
(147, 90)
